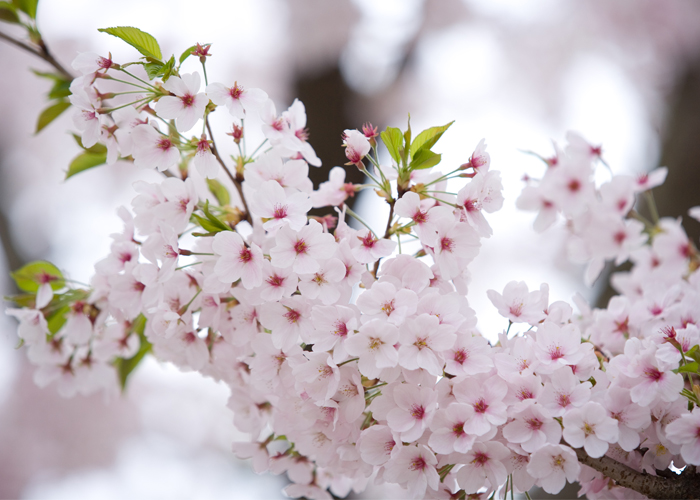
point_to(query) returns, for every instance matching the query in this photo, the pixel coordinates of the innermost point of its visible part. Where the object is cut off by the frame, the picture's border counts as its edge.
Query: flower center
(481, 406)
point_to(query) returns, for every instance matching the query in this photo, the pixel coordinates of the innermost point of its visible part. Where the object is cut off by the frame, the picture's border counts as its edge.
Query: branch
(42, 52)
(680, 487)
(239, 188)
(386, 233)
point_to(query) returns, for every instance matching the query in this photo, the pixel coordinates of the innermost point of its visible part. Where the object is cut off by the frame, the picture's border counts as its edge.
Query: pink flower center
(447, 244)
(300, 247)
(555, 353)
(164, 144)
(563, 400)
(480, 459)
(574, 185)
(388, 307)
(275, 280)
(417, 412)
(534, 424)
(472, 206)
(525, 394)
(418, 463)
(516, 309)
(368, 241)
(481, 406)
(620, 237)
(352, 155)
(124, 257)
(461, 356)
(302, 134)
(190, 338)
(278, 124)
(236, 91)
(187, 100)
(420, 217)
(246, 255)
(341, 329)
(292, 316)
(653, 374)
(44, 277)
(458, 429)
(389, 445)
(280, 211)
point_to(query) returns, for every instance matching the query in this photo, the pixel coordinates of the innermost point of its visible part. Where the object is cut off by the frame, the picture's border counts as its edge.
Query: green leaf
(60, 89)
(215, 221)
(428, 138)
(689, 368)
(392, 139)
(29, 277)
(96, 149)
(424, 159)
(126, 366)
(50, 114)
(140, 40)
(407, 136)
(154, 70)
(206, 225)
(22, 299)
(84, 161)
(169, 69)
(8, 13)
(187, 53)
(219, 191)
(57, 319)
(47, 74)
(27, 6)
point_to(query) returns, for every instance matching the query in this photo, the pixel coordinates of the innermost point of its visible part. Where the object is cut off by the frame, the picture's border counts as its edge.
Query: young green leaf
(154, 70)
(84, 161)
(60, 89)
(187, 53)
(219, 191)
(126, 366)
(424, 158)
(57, 319)
(8, 13)
(29, 277)
(689, 368)
(27, 6)
(428, 138)
(392, 139)
(140, 40)
(50, 114)
(96, 149)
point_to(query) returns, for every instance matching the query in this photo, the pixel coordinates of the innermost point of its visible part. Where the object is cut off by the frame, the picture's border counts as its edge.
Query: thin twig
(239, 188)
(386, 233)
(42, 52)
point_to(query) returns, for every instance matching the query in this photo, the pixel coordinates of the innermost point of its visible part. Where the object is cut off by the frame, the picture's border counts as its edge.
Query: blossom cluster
(353, 356)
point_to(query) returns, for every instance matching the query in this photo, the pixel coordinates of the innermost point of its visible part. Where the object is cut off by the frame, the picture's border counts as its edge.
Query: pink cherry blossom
(187, 104)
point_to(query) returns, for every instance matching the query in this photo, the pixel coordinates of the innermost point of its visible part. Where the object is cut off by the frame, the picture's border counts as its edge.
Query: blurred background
(625, 74)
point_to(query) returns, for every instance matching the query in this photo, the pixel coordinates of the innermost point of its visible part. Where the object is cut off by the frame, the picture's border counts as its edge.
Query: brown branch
(42, 52)
(386, 233)
(680, 487)
(239, 188)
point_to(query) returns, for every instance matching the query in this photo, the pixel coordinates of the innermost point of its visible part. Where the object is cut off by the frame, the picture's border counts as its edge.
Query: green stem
(359, 219)
(139, 79)
(442, 177)
(347, 361)
(110, 110)
(652, 206)
(204, 69)
(441, 201)
(256, 149)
